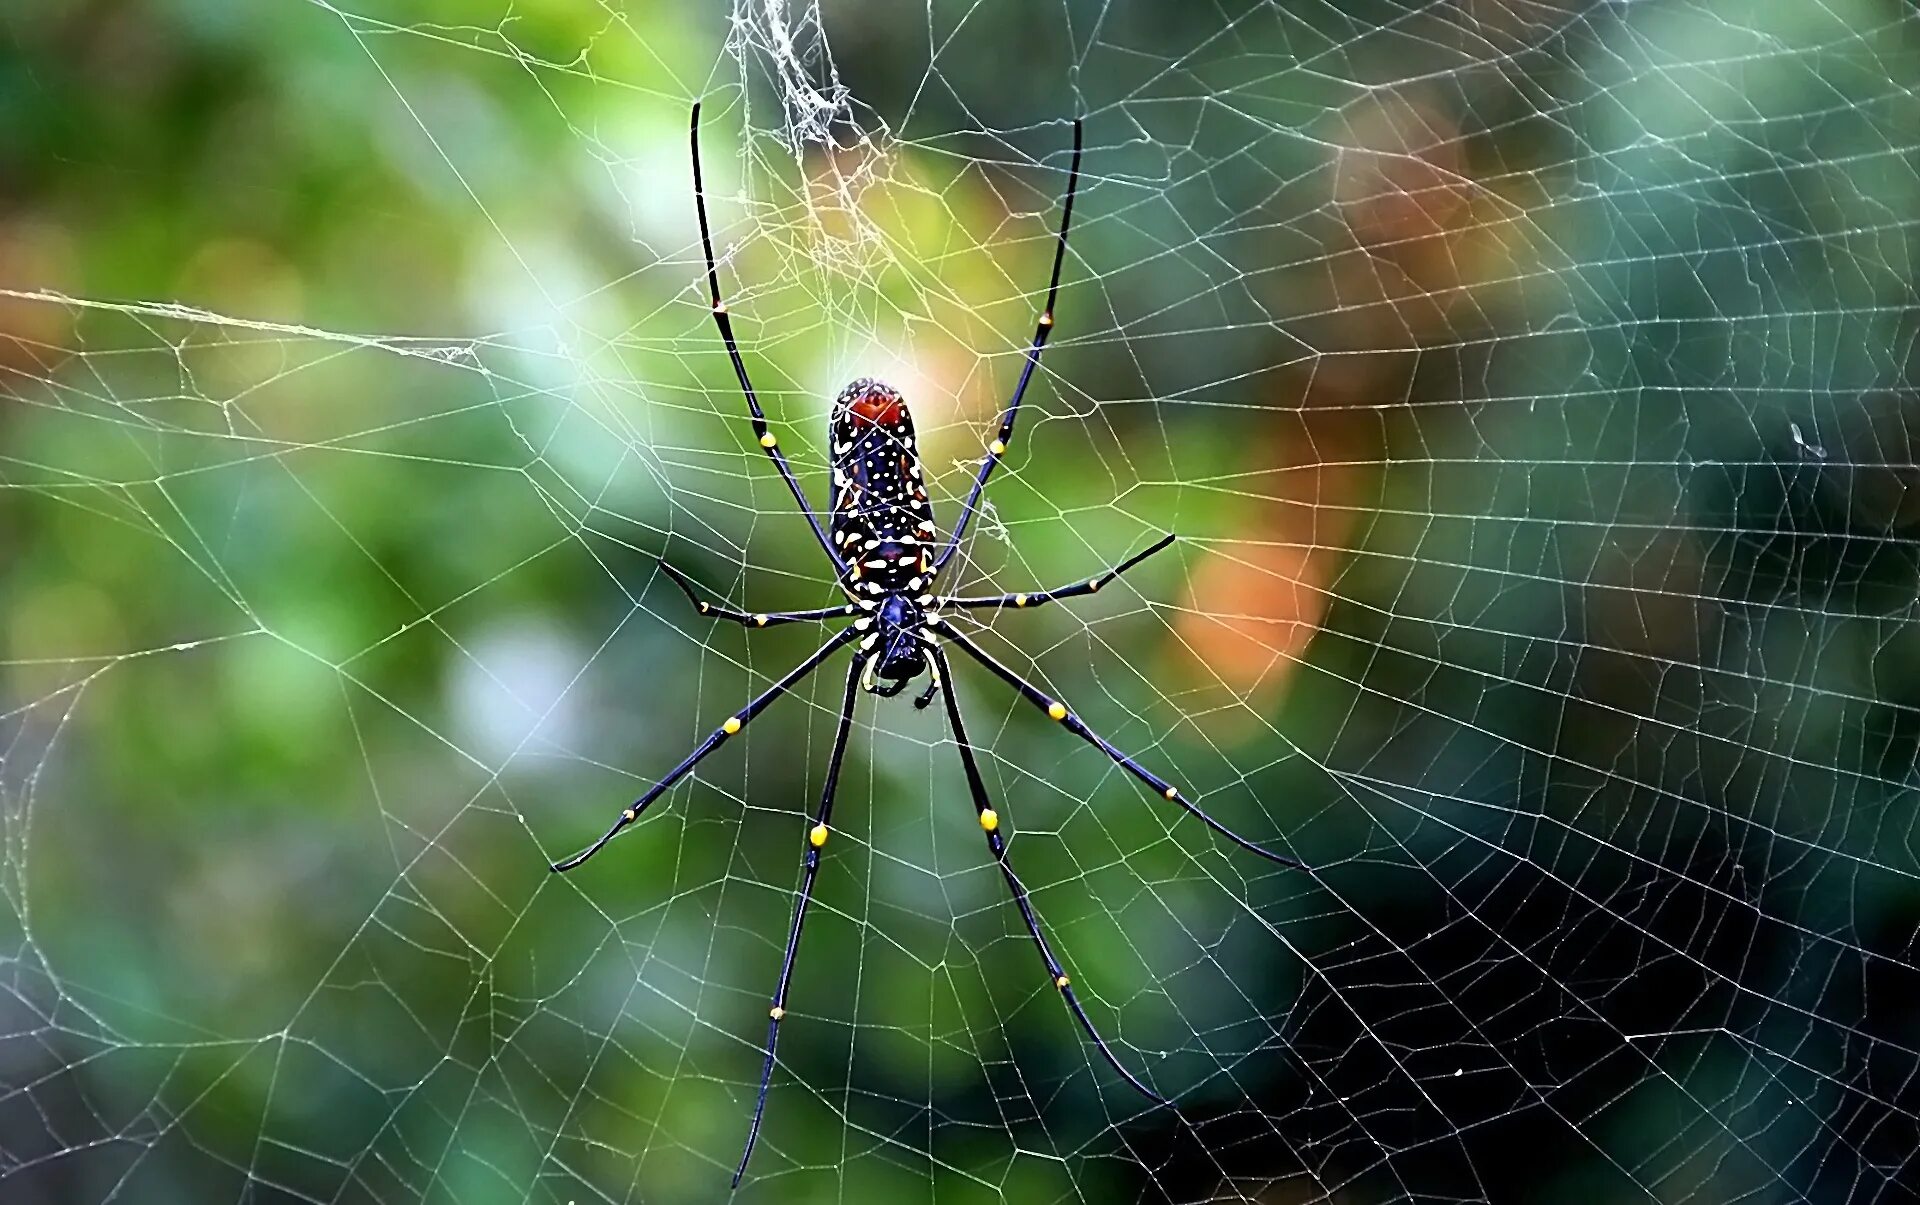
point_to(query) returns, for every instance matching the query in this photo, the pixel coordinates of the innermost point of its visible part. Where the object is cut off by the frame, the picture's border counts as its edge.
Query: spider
(887, 555)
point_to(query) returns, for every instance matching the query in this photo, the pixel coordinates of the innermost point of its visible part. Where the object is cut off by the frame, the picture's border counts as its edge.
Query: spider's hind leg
(733, 724)
(1061, 714)
(816, 842)
(990, 827)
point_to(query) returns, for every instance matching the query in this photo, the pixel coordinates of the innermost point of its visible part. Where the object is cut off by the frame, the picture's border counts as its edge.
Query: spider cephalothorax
(896, 649)
(886, 553)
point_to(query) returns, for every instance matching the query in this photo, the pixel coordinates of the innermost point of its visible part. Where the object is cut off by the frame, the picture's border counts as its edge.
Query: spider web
(1528, 384)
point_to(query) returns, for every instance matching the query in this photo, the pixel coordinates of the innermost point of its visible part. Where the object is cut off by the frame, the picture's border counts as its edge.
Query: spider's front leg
(724, 322)
(1041, 330)
(763, 619)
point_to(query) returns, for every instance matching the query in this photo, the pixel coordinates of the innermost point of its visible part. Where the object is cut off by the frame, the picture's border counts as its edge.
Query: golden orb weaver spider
(879, 536)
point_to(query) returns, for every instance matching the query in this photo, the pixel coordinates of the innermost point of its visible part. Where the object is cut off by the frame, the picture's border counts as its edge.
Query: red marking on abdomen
(878, 408)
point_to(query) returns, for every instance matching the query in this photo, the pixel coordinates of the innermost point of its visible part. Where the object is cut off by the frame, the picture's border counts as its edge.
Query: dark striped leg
(816, 841)
(1041, 330)
(765, 619)
(725, 323)
(1059, 713)
(1041, 597)
(733, 724)
(990, 825)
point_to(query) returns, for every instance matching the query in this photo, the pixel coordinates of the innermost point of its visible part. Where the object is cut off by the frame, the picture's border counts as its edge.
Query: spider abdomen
(879, 514)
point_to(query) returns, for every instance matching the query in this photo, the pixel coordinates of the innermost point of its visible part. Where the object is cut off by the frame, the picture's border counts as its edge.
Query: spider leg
(1046, 596)
(990, 825)
(1041, 330)
(765, 619)
(934, 679)
(733, 724)
(725, 323)
(816, 841)
(1058, 711)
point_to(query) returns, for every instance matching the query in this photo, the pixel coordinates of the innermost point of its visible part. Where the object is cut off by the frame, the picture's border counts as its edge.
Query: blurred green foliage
(1533, 409)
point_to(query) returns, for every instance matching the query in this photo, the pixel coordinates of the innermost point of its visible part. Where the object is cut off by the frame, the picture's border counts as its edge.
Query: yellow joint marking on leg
(629, 815)
(1093, 585)
(989, 819)
(767, 440)
(703, 608)
(1060, 982)
(719, 307)
(1019, 600)
(1057, 710)
(776, 1012)
(1046, 318)
(761, 620)
(997, 447)
(818, 836)
(731, 726)
(1173, 792)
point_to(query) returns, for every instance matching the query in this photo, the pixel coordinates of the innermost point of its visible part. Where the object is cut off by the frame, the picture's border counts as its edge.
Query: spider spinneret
(887, 555)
